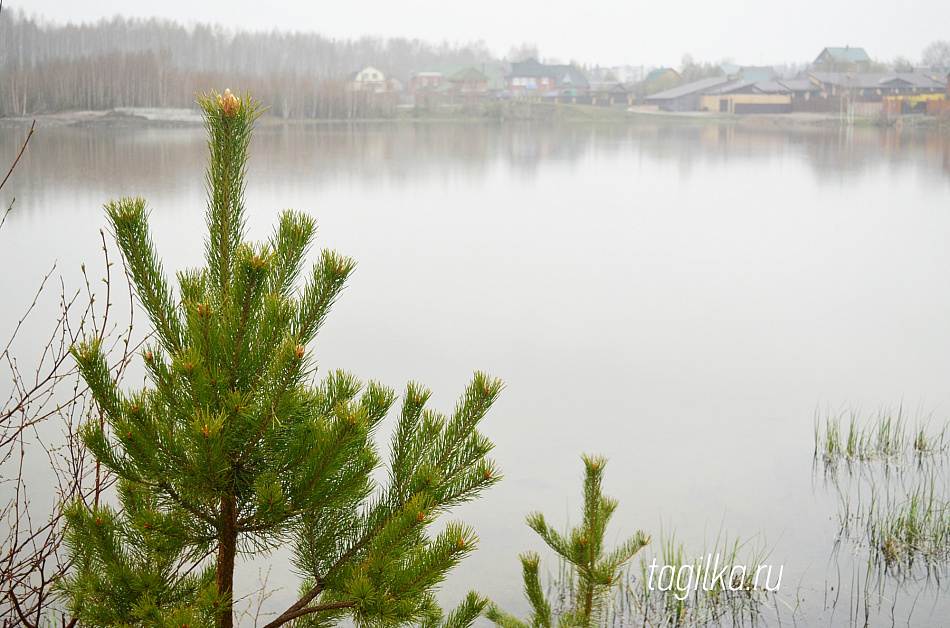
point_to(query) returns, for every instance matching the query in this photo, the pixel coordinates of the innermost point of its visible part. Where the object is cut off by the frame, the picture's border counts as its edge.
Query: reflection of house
(843, 60)
(686, 97)
(530, 77)
(368, 79)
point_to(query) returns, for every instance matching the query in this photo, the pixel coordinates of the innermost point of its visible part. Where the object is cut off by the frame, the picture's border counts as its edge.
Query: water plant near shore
(893, 494)
(727, 582)
(903, 521)
(885, 436)
(914, 530)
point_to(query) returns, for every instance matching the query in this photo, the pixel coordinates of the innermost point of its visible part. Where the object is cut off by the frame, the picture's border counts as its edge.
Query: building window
(425, 82)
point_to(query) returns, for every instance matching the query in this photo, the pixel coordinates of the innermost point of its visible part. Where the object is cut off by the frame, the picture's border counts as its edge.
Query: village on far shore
(839, 81)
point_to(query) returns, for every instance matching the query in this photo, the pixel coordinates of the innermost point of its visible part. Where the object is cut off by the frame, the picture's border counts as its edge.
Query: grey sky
(608, 32)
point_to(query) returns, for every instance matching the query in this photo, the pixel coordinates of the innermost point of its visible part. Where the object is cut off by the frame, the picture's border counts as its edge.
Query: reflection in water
(401, 150)
(676, 297)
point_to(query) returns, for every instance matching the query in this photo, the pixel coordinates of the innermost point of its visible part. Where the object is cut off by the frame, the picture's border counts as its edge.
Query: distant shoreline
(185, 118)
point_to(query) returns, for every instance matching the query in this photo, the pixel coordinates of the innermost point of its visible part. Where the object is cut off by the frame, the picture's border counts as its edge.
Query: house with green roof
(845, 59)
(659, 74)
(470, 81)
(660, 79)
(445, 82)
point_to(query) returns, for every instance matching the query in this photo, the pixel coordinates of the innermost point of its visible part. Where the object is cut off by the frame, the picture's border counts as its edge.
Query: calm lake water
(681, 299)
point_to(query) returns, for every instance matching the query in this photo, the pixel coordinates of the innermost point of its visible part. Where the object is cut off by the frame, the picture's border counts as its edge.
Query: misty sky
(608, 32)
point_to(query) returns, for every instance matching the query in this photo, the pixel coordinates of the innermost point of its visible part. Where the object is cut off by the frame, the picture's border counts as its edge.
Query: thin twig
(15, 162)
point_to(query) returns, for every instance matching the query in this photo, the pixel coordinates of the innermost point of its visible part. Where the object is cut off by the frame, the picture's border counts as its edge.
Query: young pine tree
(593, 570)
(232, 449)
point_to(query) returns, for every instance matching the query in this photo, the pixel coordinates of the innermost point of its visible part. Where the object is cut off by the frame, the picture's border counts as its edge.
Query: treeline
(46, 67)
(147, 79)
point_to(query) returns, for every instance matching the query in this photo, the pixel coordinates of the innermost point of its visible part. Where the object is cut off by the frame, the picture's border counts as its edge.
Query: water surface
(680, 299)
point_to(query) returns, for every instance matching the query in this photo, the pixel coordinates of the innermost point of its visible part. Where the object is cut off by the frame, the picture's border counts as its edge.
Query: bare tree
(937, 55)
(902, 64)
(526, 50)
(45, 390)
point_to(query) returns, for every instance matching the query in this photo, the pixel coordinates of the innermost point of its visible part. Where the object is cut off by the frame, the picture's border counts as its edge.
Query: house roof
(469, 74)
(655, 75)
(798, 85)
(843, 55)
(610, 87)
(531, 68)
(757, 74)
(770, 87)
(695, 87)
(730, 68)
(782, 86)
(352, 76)
(565, 76)
(751, 73)
(568, 76)
(494, 73)
(737, 87)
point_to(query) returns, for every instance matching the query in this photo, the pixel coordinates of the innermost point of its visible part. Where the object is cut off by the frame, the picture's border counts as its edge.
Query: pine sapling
(593, 571)
(233, 448)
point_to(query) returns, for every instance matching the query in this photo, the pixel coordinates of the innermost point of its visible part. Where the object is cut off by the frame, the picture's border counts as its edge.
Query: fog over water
(681, 299)
(595, 31)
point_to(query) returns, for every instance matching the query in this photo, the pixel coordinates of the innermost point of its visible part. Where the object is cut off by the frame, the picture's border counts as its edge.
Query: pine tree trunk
(227, 548)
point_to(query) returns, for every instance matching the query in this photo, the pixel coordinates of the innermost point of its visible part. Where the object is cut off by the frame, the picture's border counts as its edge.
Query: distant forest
(47, 67)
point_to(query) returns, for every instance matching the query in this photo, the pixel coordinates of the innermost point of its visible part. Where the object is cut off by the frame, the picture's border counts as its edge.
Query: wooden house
(369, 79)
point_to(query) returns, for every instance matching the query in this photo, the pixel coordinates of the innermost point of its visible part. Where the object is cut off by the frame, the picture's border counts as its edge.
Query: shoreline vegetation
(498, 112)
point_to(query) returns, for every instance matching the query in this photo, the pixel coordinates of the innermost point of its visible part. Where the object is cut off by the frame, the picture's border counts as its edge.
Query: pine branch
(290, 616)
(128, 218)
(540, 608)
(467, 612)
(301, 604)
